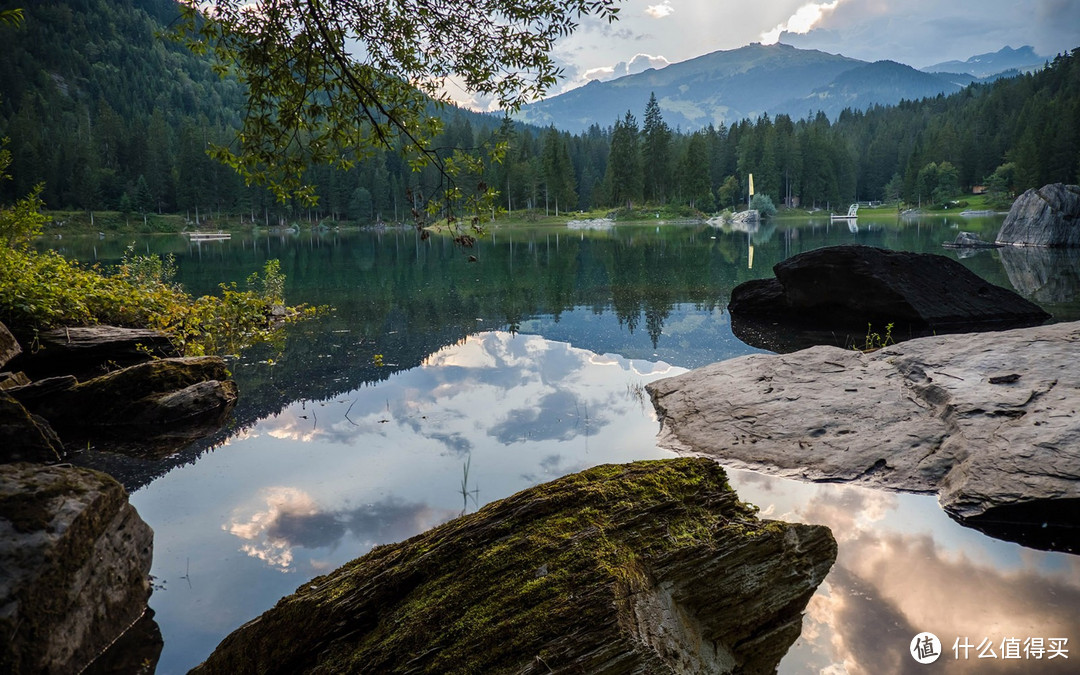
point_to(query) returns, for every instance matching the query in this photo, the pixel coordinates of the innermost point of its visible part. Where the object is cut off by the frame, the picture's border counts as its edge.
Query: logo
(925, 648)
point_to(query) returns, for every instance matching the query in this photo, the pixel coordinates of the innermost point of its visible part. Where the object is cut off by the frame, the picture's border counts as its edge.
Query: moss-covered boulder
(75, 559)
(648, 567)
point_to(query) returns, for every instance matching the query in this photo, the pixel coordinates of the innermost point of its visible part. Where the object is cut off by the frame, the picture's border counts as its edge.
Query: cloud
(801, 22)
(660, 11)
(292, 519)
(638, 64)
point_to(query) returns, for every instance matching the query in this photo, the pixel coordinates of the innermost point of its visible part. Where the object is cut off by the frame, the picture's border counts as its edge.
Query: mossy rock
(647, 567)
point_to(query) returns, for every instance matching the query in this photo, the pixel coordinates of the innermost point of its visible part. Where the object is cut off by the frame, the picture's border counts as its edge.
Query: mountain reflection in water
(521, 367)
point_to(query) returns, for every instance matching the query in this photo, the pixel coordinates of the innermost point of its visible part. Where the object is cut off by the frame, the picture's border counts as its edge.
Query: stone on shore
(75, 558)
(146, 399)
(989, 421)
(1047, 216)
(641, 568)
(25, 437)
(90, 351)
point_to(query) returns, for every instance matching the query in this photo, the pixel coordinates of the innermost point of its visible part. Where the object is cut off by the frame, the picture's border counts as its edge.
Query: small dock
(852, 213)
(208, 236)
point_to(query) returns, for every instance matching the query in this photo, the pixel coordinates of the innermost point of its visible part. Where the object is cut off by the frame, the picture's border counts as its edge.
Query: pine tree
(656, 154)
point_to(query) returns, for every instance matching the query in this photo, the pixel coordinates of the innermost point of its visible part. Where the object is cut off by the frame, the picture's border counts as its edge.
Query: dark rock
(642, 568)
(76, 558)
(1047, 216)
(841, 290)
(148, 397)
(25, 437)
(9, 346)
(989, 421)
(90, 351)
(33, 394)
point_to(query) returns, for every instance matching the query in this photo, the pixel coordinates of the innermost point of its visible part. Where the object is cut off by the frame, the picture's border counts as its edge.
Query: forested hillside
(111, 116)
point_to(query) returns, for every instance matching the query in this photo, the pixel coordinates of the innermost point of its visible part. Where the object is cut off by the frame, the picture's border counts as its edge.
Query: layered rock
(641, 568)
(1047, 216)
(90, 351)
(169, 397)
(989, 421)
(76, 558)
(838, 291)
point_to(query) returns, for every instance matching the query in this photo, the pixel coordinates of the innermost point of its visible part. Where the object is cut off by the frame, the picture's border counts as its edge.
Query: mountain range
(726, 86)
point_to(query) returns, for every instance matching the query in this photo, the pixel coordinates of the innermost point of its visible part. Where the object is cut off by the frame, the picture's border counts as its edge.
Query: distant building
(978, 190)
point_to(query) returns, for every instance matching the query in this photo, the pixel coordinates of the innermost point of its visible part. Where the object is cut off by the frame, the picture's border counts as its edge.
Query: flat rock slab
(75, 558)
(989, 421)
(650, 567)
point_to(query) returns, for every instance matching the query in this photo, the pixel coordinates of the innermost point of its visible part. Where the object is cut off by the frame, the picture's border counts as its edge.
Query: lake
(436, 385)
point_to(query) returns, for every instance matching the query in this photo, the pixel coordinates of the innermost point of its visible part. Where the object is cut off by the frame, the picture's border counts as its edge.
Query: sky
(653, 33)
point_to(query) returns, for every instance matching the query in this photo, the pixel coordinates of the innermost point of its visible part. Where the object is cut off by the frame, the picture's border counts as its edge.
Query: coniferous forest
(109, 115)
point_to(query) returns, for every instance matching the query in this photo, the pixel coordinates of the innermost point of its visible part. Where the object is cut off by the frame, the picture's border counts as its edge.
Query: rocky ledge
(648, 567)
(989, 421)
(75, 558)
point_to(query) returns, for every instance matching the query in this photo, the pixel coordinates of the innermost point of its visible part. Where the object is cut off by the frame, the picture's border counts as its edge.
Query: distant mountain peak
(992, 63)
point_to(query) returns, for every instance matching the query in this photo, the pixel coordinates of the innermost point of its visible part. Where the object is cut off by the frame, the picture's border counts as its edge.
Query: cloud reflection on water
(888, 585)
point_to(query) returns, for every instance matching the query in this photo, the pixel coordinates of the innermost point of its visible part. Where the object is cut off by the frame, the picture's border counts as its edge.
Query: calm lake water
(437, 385)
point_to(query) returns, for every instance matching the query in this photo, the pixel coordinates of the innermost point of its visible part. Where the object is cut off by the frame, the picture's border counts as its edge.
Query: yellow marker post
(751, 185)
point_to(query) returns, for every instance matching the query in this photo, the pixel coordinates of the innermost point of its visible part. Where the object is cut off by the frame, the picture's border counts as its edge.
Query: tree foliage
(329, 81)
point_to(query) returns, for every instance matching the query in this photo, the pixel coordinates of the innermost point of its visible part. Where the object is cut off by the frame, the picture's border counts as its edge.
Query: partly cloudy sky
(653, 33)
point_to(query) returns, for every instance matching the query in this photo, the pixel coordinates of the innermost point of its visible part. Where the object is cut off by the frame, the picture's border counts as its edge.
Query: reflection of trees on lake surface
(644, 291)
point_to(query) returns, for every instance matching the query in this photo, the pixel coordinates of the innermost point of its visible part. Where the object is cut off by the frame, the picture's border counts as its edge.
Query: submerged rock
(1047, 216)
(75, 558)
(989, 421)
(642, 568)
(838, 291)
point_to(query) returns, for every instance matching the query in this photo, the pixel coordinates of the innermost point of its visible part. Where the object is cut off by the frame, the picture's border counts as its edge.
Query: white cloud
(660, 11)
(638, 64)
(801, 22)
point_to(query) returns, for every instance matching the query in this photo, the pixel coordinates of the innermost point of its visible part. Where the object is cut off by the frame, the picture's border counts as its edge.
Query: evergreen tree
(656, 154)
(623, 180)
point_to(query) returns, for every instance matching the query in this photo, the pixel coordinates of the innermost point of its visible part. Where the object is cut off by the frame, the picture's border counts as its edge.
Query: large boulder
(75, 558)
(830, 295)
(25, 437)
(90, 351)
(989, 421)
(648, 567)
(1048, 216)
